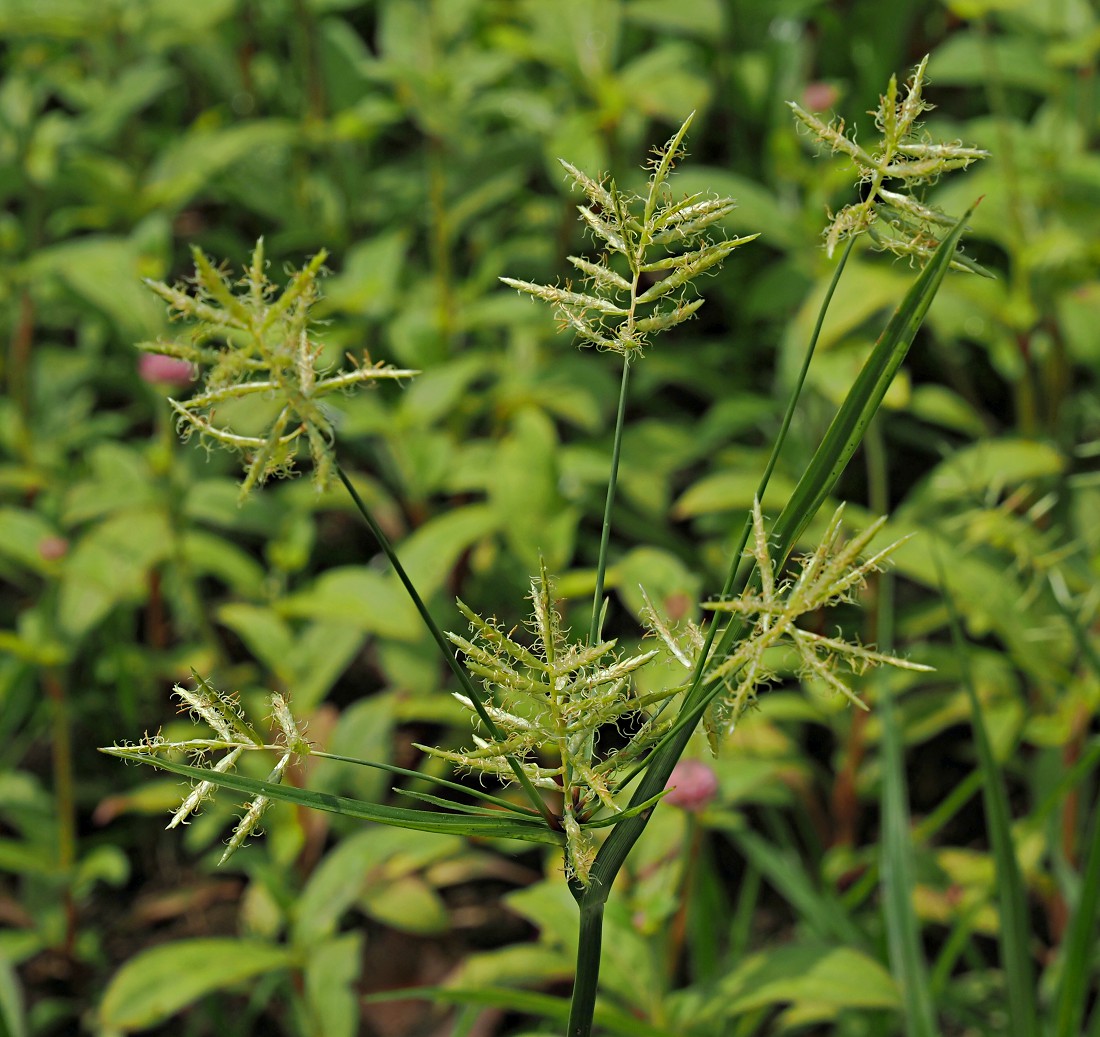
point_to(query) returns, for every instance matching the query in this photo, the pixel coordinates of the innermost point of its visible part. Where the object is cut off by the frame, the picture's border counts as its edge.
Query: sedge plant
(541, 697)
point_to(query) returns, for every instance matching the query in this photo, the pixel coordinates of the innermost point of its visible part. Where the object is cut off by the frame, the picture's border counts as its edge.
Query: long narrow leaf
(865, 396)
(504, 827)
(608, 1018)
(898, 868)
(455, 786)
(1081, 940)
(1077, 951)
(1011, 893)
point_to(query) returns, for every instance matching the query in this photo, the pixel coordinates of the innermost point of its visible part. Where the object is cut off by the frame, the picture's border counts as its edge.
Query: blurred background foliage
(417, 141)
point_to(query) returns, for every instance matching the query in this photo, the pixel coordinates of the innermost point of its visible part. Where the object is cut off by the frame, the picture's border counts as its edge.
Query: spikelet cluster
(905, 158)
(250, 339)
(654, 247)
(550, 702)
(233, 735)
(772, 607)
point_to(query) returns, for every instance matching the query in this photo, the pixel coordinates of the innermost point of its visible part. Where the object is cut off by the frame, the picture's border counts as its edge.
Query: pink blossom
(51, 548)
(164, 370)
(693, 784)
(818, 97)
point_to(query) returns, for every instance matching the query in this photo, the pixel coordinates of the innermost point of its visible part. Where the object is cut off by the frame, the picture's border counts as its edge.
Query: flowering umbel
(549, 703)
(233, 735)
(259, 342)
(895, 220)
(771, 609)
(660, 245)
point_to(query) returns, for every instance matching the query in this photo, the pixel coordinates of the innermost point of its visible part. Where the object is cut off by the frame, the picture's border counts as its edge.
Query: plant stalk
(609, 504)
(444, 646)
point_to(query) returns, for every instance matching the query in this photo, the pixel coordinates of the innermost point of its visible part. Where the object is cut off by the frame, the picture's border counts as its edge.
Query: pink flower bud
(819, 97)
(164, 370)
(51, 548)
(693, 785)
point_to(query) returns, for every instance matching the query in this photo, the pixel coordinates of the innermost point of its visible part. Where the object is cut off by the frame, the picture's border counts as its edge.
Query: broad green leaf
(610, 1021)
(332, 973)
(408, 904)
(703, 18)
(837, 976)
(367, 284)
(990, 464)
(319, 657)
(670, 585)
(211, 555)
(105, 272)
(119, 477)
(731, 490)
(965, 57)
(365, 865)
(525, 496)
(266, 635)
(110, 566)
(23, 535)
(430, 554)
(196, 158)
(663, 81)
(1015, 930)
(356, 597)
(155, 984)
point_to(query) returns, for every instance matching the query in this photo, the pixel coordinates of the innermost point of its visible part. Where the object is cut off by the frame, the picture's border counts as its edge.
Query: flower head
(692, 785)
(258, 342)
(655, 246)
(894, 219)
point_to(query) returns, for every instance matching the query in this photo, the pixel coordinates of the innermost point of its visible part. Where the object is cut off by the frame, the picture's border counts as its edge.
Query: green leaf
(105, 273)
(22, 533)
(703, 18)
(365, 865)
(860, 406)
(416, 820)
(525, 496)
(609, 1020)
(407, 904)
(110, 566)
(431, 553)
(839, 977)
(356, 597)
(12, 1018)
(992, 464)
(367, 285)
(670, 585)
(332, 973)
(197, 157)
(155, 984)
(1012, 897)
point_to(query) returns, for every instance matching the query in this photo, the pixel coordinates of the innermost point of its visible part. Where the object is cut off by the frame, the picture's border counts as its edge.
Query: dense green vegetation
(930, 866)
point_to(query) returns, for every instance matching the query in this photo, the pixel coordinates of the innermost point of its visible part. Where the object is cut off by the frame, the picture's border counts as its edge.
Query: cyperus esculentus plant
(544, 701)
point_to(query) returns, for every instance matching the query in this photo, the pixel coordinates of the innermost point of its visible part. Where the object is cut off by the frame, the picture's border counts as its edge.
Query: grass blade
(504, 827)
(898, 867)
(1011, 894)
(864, 398)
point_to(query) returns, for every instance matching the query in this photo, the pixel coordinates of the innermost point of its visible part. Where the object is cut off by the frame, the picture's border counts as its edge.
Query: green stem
(691, 716)
(657, 767)
(583, 1004)
(444, 645)
(609, 504)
